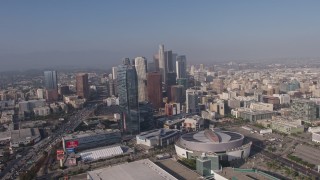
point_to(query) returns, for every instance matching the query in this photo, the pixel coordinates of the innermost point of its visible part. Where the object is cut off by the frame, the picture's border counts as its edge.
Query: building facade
(154, 89)
(51, 85)
(141, 69)
(305, 110)
(127, 85)
(192, 101)
(91, 139)
(162, 63)
(158, 137)
(181, 66)
(82, 85)
(50, 79)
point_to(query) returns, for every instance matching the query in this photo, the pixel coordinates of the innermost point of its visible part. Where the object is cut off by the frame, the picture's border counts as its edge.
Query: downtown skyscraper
(127, 84)
(141, 69)
(162, 64)
(82, 85)
(181, 67)
(51, 85)
(154, 87)
(50, 79)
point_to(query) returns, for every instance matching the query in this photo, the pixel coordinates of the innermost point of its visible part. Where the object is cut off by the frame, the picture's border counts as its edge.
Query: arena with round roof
(214, 142)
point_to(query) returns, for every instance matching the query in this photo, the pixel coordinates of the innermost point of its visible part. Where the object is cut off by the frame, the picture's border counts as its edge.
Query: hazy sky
(99, 33)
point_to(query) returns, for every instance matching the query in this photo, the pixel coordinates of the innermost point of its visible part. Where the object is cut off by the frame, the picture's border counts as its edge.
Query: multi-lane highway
(32, 155)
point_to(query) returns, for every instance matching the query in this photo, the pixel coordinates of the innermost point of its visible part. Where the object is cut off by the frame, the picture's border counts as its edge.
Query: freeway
(35, 153)
(288, 163)
(7, 172)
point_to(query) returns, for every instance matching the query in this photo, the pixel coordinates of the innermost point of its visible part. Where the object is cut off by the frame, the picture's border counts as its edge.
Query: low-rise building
(25, 137)
(90, 139)
(74, 101)
(7, 116)
(252, 115)
(261, 106)
(316, 137)
(265, 131)
(283, 126)
(193, 123)
(284, 98)
(234, 103)
(158, 137)
(41, 111)
(172, 109)
(208, 115)
(28, 106)
(314, 129)
(173, 124)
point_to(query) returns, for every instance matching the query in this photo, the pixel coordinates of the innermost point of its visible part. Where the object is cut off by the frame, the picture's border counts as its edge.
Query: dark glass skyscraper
(127, 84)
(169, 61)
(51, 85)
(181, 66)
(50, 80)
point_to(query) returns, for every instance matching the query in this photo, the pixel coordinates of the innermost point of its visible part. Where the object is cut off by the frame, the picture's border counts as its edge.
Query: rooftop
(157, 133)
(254, 112)
(24, 134)
(101, 153)
(82, 134)
(142, 170)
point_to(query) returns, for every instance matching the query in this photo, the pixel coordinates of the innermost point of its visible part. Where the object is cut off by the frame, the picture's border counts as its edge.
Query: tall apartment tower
(51, 85)
(114, 72)
(127, 85)
(162, 64)
(82, 85)
(181, 66)
(154, 88)
(141, 69)
(192, 101)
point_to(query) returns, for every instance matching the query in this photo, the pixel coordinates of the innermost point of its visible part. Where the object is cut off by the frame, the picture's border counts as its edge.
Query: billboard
(72, 144)
(70, 150)
(60, 154)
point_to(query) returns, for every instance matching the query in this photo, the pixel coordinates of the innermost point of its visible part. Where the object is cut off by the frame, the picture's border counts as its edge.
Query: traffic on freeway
(34, 154)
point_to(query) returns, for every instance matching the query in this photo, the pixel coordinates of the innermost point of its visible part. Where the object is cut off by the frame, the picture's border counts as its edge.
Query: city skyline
(140, 90)
(41, 35)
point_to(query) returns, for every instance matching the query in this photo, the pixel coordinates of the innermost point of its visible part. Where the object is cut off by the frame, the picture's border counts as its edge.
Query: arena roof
(214, 137)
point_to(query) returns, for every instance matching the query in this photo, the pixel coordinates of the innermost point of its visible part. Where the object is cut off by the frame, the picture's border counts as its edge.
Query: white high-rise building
(181, 67)
(192, 69)
(114, 72)
(174, 59)
(40, 93)
(162, 63)
(141, 69)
